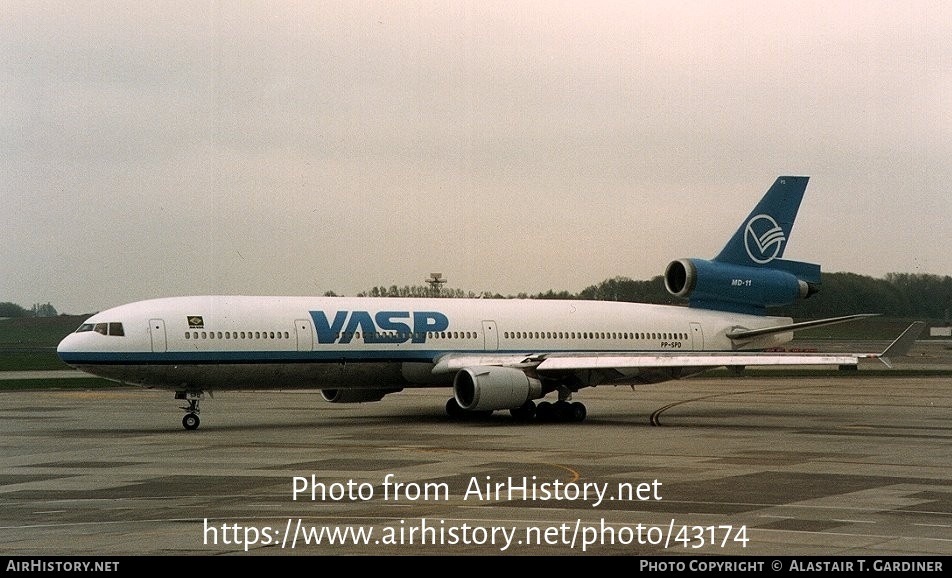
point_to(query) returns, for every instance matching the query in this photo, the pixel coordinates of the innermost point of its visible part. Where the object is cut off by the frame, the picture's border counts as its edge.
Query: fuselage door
(697, 337)
(305, 337)
(490, 336)
(157, 333)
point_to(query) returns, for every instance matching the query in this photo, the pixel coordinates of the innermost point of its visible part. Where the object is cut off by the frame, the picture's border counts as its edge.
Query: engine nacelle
(490, 388)
(349, 395)
(724, 286)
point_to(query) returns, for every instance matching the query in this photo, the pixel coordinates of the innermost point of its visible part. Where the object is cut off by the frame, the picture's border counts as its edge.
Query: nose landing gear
(191, 420)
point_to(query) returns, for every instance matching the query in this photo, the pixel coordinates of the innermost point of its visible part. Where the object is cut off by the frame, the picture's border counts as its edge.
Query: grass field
(29, 343)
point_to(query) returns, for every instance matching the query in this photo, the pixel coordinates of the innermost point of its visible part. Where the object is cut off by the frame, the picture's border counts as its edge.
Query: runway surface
(744, 465)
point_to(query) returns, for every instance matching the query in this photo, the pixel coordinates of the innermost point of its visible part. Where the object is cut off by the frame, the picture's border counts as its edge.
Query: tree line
(916, 295)
(8, 309)
(897, 295)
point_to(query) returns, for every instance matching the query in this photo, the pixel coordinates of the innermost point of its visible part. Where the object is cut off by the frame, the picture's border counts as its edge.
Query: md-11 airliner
(495, 354)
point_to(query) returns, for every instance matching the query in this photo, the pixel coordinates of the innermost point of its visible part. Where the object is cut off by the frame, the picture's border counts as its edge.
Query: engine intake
(491, 388)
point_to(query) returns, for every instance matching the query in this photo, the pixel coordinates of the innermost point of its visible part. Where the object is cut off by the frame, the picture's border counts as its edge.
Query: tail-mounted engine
(739, 288)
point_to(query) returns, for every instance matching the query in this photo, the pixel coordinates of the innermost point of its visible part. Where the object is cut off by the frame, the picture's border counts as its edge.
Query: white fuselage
(231, 342)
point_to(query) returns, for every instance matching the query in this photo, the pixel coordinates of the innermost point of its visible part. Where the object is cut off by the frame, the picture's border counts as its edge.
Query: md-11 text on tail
(495, 354)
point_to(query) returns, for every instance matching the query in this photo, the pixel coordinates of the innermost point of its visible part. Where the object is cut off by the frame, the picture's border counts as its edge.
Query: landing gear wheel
(524, 412)
(559, 412)
(190, 421)
(545, 411)
(578, 412)
(453, 409)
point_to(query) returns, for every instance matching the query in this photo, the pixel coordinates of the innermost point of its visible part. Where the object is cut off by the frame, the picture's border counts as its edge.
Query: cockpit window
(114, 329)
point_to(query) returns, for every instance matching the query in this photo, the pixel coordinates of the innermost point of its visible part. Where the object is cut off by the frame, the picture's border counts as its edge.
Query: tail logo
(763, 239)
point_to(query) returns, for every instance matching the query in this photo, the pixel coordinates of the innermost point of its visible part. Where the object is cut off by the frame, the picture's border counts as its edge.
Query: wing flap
(605, 360)
(692, 360)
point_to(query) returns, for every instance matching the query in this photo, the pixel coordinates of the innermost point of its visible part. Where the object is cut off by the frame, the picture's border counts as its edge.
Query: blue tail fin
(749, 275)
(763, 235)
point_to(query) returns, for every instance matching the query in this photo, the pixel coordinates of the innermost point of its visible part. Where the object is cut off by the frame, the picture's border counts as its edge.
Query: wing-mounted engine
(349, 395)
(491, 388)
(740, 288)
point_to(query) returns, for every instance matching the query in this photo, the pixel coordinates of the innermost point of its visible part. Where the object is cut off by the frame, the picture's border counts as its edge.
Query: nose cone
(67, 349)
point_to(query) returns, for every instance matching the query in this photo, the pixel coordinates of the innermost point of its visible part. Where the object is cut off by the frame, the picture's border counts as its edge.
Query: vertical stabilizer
(764, 233)
(749, 274)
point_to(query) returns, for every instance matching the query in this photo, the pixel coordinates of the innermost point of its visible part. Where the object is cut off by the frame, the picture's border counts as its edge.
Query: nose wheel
(191, 420)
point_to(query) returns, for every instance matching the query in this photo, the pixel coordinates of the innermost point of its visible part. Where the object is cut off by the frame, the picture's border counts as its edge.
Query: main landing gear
(562, 411)
(191, 420)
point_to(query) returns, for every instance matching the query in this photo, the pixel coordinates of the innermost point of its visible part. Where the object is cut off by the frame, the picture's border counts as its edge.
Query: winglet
(902, 344)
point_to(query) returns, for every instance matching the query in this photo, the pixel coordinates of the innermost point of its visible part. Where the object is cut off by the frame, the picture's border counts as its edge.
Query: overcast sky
(169, 148)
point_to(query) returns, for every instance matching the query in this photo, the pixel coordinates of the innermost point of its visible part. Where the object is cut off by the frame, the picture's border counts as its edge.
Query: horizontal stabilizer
(742, 334)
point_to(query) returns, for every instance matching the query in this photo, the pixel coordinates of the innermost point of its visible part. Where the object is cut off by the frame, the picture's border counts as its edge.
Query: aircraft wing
(544, 362)
(614, 361)
(452, 362)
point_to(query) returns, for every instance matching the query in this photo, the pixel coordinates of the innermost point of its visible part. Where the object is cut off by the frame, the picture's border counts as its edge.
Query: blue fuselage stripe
(243, 357)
